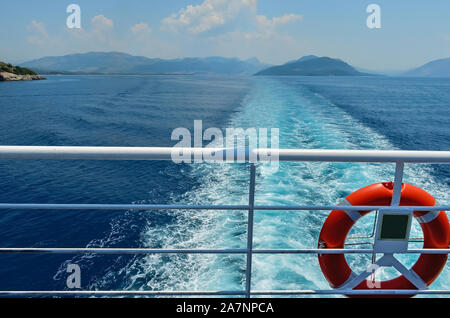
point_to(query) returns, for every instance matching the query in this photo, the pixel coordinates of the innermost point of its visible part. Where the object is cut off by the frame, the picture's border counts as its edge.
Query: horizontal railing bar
(165, 153)
(63, 250)
(75, 206)
(38, 206)
(222, 293)
(119, 293)
(68, 250)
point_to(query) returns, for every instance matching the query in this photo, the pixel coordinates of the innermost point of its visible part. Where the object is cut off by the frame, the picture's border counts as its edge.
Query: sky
(412, 33)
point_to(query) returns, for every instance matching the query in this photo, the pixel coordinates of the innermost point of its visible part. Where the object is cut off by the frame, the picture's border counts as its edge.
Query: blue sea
(311, 112)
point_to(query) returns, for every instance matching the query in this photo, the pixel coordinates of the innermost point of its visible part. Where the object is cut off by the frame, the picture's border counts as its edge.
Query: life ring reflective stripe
(428, 217)
(434, 224)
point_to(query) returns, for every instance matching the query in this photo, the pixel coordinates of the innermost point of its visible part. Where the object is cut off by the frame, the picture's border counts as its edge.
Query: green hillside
(4, 67)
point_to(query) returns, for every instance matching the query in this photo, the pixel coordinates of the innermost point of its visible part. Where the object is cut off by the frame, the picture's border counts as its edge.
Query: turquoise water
(327, 113)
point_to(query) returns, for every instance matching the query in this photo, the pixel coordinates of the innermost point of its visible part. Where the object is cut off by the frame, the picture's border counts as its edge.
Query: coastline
(11, 77)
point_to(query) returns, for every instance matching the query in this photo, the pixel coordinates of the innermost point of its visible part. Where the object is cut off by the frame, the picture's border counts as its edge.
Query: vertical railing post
(396, 195)
(398, 179)
(251, 204)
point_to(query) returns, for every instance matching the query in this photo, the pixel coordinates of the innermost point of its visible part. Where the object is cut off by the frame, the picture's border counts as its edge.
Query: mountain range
(121, 63)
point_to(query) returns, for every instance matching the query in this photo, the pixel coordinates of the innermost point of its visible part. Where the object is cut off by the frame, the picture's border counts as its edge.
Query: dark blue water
(94, 111)
(347, 113)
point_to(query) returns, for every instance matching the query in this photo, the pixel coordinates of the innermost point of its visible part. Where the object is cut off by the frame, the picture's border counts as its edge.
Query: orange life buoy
(434, 224)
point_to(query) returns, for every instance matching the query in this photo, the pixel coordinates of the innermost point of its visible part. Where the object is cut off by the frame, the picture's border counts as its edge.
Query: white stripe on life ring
(428, 217)
(354, 215)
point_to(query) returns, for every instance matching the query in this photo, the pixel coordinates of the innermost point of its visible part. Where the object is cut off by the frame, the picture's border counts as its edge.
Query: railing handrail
(135, 207)
(165, 153)
(143, 250)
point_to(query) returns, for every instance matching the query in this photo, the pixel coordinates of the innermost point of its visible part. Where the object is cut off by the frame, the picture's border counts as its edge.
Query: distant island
(10, 72)
(110, 63)
(312, 65)
(436, 68)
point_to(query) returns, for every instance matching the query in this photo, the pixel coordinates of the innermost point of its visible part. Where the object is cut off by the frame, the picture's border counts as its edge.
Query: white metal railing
(146, 153)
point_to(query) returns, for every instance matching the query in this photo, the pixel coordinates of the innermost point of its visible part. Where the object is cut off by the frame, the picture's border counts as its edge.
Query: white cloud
(206, 16)
(263, 22)
(100, 26)
(98, 36)
(141, 28)
(102, 22)
(40, 34)
(101, 29)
